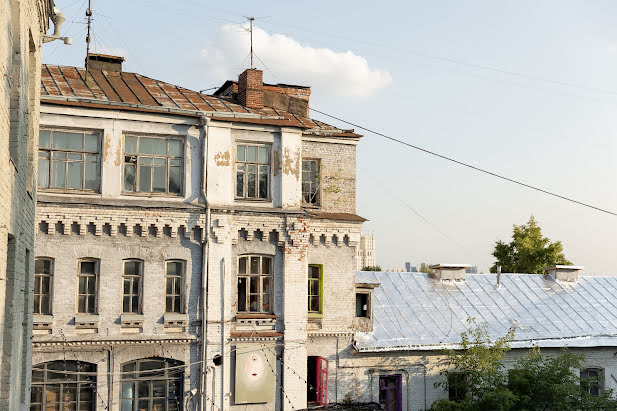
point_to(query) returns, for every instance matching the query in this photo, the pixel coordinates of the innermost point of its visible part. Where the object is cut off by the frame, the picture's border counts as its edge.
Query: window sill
(129, 320)
(86, 321)
(316, 316)
(249, 316)
(67, 191)
(150, 195)
(42, 321)
(172, 320)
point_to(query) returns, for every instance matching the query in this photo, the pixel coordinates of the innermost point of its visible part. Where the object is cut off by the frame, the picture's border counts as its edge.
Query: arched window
(63, 385)
(152, 384)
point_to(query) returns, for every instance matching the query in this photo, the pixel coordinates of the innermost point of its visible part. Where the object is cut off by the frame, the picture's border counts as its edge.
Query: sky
(526, 89)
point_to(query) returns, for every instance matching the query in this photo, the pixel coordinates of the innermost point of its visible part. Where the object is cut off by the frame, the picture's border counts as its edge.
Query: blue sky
(527, 89)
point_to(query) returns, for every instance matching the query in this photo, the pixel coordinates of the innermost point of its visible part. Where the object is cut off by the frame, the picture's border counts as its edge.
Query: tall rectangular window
(69, 160)
(43, 271)
(253, 171)
(87, 286)
(174, 286)
(310, 182)
(315, 289)
(131, 287)
(254, 284)
(153, 164)
(362, 305)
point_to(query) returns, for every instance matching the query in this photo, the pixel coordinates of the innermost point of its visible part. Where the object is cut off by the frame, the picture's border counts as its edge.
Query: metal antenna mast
(251, 19)
(89, 16)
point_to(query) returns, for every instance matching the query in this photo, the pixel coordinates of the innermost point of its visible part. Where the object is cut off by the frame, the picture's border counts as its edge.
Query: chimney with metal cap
(450, 272)
(564, 272)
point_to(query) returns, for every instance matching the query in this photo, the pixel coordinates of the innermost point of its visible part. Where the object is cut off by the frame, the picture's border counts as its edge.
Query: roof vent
(104, 62)
(564, 272)
(450, 272)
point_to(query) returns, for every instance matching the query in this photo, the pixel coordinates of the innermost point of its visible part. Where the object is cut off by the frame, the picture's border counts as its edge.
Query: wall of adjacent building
(22, 25)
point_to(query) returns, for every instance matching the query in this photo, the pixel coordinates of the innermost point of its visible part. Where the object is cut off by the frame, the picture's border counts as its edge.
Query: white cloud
(331, 72)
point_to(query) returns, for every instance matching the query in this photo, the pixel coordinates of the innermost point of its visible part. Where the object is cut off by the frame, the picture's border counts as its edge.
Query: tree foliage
(528, 252)
(535, 382)
(371, 268)
(426, 268)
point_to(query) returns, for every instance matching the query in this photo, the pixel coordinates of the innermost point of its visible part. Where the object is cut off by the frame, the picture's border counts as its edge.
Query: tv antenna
(89, 16)
(251, 20)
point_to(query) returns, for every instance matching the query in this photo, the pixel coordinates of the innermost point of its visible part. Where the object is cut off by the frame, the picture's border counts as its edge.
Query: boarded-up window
(255, 373)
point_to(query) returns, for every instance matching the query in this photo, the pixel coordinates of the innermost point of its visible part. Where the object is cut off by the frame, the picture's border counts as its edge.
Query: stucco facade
(23, 23)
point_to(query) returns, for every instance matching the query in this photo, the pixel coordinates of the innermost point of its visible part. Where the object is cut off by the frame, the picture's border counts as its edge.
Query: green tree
(536, 382)
(426, 268)
(371, 268)
(483, 385)
(528, 252)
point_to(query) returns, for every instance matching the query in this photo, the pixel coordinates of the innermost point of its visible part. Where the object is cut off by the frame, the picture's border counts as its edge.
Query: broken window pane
(129, 177)
(310, 182)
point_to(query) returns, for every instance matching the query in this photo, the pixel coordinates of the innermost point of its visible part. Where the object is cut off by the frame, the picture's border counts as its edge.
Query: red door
(322, 381)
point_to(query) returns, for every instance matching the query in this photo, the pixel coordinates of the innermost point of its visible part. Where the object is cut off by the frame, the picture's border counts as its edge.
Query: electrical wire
(462, 163)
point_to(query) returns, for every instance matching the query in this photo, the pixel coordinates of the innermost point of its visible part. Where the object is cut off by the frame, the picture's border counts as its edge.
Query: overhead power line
(453, 160)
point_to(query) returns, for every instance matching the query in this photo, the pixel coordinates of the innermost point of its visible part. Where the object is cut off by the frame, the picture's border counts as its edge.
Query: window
(254, 284)
(131, 278)
(390, 392)
(253, 171)
(152, 384)
(63, 385)
(174, 284)
(592, 380)
(362, 305)
(87, 287)
(153, 164)
(457, 386)
(43, 270)
(69, 160)
(310, 182)
(315, 289)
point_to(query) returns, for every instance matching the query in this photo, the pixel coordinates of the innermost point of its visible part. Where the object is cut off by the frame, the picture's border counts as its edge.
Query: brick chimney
(446, 272)
(251, 89)
(104, 62)
(564, 272)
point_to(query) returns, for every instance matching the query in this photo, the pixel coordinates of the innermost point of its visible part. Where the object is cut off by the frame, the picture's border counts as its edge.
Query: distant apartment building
(23, 25)
(366, 255)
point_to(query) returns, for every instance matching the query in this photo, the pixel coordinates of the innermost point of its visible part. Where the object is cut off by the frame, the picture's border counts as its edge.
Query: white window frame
(245, 163)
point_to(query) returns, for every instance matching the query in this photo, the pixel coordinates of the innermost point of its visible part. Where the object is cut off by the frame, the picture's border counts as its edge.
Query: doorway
(390, 392)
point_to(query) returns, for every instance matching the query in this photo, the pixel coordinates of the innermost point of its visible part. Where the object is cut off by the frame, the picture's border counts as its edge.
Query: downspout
(204, 267)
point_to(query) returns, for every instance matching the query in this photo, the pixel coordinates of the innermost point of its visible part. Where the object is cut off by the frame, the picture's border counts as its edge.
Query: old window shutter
(322, 381)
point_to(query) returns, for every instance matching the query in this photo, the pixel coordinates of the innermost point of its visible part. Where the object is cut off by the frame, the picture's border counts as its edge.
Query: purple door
(390, 392)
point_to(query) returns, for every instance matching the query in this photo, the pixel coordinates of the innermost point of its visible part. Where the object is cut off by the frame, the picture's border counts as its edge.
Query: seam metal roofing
(415, 311)
(131, 91)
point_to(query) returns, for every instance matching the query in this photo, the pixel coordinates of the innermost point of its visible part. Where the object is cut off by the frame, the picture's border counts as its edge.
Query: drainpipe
(204, 267)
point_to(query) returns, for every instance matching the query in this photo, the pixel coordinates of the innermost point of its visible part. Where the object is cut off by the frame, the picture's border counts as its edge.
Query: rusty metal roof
(131, 91)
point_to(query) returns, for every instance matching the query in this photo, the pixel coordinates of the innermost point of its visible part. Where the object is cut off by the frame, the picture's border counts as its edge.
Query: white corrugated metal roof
(415, 311)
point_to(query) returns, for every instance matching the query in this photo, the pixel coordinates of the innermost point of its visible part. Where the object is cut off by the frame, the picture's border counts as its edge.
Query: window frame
(168, 157)
(257, 164)
(140, 277)
(38, 281)
(182, 278)
(247, 276)
(368, 303)
(50, 150)
(456, 385)
(96, 276)
(317, 195)
(82, 379)
(320, 295)
(134, 378)
(587, 385)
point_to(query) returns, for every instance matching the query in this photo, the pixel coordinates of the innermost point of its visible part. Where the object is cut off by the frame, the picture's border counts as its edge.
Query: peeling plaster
(291, 163)
(222, 159)
(106, 143)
